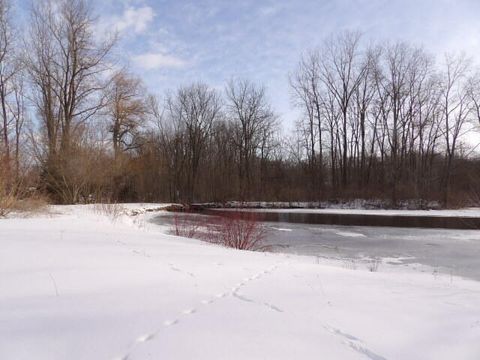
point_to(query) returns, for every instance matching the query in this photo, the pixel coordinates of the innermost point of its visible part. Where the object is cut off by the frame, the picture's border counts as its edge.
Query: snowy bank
(78, 284)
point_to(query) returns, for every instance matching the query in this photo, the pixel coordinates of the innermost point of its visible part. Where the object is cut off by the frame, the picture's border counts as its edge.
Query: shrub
(239, 231)
(8, 195)
(186, 225)
(373, 265)
(7, 202)
(32, 204)
(111, 210)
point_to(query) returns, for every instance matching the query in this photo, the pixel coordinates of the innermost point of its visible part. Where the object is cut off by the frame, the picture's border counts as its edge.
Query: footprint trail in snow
(191, 311)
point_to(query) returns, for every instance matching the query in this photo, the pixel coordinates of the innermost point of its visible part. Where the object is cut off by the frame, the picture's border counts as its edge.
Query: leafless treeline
(383, 117)
(384, 120)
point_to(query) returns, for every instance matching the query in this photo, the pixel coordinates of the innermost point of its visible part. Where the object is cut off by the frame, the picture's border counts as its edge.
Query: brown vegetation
(7, 198)
(242, 231)
(237, 230)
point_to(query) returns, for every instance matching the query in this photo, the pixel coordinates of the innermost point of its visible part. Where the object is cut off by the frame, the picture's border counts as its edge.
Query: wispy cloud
(156, 61)
(137, 19)
(133, 19)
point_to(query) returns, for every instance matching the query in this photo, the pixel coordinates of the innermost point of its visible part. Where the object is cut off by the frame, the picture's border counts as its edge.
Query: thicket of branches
(386, 117)
(387, 121)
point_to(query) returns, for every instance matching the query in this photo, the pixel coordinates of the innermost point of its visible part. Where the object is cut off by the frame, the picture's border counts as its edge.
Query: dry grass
(350, 264)
(14, 198)
(7, 202)
(111, 210)
(8, 196)
(33, 204)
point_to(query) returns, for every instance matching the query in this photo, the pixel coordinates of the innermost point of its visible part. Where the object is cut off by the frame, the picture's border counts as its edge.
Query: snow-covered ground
(74, 284)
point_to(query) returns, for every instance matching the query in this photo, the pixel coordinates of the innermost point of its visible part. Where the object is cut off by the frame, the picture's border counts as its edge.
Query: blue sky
(175, 42)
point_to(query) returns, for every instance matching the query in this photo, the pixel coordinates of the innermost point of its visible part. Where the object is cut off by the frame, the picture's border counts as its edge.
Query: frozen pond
(455, 252)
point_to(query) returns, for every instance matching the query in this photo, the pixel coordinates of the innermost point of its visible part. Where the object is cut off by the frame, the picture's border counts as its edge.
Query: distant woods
(385, 121)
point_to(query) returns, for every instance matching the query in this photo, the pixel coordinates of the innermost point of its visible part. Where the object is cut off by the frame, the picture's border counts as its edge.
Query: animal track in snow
(269, 306)
(176, 269)
(141, 253)
(243, 298)
(234, 292)
(354, 343)
(273, 307)
(145, 338)
(170, 322)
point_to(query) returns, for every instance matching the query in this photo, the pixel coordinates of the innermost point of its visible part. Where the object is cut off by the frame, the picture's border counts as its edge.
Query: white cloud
(136, 19)
(153, 61)
(269, 10)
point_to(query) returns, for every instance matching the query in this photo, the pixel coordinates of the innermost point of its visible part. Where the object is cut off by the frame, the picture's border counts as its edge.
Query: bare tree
(249, 110)
(402, 81)
(194, 110)
(342, 72)
(8, 69)
(169, 140)
(364, 95)
(67, 70)
(18, 109)
(127, 110)
(474, 91)
(306, 86)
(455, 110)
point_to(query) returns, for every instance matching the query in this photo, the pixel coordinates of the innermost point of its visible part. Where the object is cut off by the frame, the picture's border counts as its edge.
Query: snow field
(77, 285)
